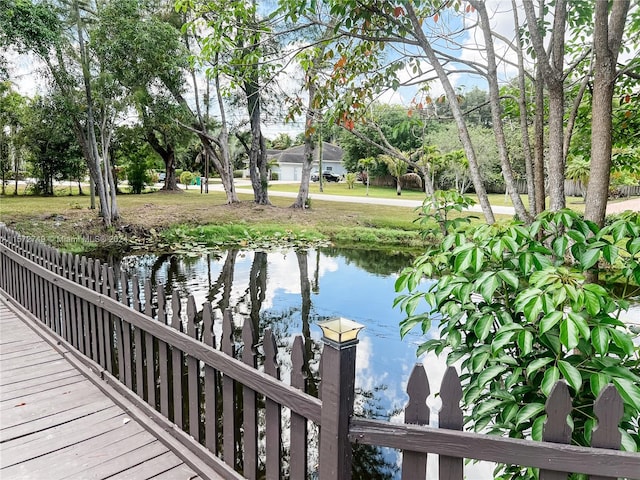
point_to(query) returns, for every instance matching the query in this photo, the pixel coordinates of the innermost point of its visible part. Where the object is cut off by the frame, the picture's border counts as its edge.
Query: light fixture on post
(340, 332)
(340, 337)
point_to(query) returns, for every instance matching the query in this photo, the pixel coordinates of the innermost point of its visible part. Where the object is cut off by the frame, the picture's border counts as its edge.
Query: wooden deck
(55, 423)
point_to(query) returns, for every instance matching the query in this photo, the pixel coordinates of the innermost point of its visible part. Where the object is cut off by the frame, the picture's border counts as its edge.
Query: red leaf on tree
(398, 11)
(436, 17)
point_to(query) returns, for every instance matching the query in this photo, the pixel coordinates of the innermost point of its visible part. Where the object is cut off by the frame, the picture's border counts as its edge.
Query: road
(244, 187)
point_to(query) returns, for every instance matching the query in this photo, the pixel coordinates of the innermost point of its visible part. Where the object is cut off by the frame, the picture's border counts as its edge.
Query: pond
(291, 291)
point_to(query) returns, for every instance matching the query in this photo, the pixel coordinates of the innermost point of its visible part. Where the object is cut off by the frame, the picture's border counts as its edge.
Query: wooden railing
(229, 413)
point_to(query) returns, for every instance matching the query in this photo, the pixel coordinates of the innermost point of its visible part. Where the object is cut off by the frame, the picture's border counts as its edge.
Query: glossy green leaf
(597, 381)
(570, 374)
(627, 443)
(483, 327)
(551, 376)
(537, 428)
(568, 333)
(490, 373)
(479, 361)
(581, 324)
(559, 246)
(600, 340)
(463, 261)
(633, 245)
(509, 278)
(538, 363)
(549, 321)
(610, 253)
(629, 391)
(525, 342)
(622, 340)
(589, 258)
(528, 412)
(591, 302)
(501, 339)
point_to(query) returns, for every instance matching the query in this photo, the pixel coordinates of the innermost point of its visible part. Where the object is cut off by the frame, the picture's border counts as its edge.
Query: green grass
(67, 222)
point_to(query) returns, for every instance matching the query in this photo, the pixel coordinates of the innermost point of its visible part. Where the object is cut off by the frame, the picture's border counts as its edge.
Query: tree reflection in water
(247, 301)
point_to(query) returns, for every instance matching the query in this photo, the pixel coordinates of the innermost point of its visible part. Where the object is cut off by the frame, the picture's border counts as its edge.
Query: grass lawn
(67, 222)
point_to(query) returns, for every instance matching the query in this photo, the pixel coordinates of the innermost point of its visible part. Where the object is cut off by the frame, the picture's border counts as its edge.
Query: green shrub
(238, 173)
(186, 178)
(514, 305)
(350, 178)
(138, 173)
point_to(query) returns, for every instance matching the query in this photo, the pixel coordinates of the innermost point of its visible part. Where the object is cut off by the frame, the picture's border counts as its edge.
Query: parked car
(162, 176)
(328, 176)
(331, 177)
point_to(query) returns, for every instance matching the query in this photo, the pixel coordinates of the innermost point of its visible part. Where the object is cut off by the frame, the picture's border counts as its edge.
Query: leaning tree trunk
(607, 40)
(463, 132)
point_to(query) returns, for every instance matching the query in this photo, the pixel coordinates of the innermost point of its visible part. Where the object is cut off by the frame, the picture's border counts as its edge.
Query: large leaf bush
(517, 306)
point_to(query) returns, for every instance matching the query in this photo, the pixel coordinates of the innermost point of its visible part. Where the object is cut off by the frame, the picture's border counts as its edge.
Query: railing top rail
(478, 446)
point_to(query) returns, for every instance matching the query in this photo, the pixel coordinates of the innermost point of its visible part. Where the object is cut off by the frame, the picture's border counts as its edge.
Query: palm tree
(396, 168)
(367, 163)
(578, 170)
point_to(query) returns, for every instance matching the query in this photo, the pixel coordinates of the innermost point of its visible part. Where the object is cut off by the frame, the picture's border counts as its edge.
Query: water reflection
(290, 291)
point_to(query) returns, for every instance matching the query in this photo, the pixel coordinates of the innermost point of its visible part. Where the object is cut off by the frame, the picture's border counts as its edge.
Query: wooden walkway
(55, 423)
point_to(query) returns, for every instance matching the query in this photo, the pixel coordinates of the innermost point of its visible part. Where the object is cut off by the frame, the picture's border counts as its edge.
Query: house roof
(330, 153)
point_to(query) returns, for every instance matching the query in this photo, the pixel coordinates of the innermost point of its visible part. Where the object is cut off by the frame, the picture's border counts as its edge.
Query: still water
(291, 291)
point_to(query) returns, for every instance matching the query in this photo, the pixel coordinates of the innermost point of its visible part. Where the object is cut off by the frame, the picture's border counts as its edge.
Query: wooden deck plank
(30, 349)
(48, 362)
(40, 371)
(61, 436)
(56, 424)
(38, 382)
(49, 386)
(114, 466)
(18, 346)
(58, 418)
(181, 472)
(75, 458)
(149, 468)
(37, 405)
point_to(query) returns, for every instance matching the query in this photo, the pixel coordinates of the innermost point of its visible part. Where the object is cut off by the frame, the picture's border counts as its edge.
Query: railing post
(337, 391)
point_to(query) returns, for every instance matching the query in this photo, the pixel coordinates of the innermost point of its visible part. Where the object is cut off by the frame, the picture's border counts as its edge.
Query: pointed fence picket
(231, 409)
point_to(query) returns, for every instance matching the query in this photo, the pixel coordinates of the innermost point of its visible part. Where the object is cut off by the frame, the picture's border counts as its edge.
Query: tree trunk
(463, 132)
(607, 40)
(168, 156)
(494, 102)
(307, 164)
(258, 150)
(524, 120)
(90, 146)
(538, 148)
(552, 71)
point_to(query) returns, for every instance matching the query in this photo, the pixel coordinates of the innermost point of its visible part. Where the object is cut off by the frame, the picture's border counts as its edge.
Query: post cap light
(340, 330)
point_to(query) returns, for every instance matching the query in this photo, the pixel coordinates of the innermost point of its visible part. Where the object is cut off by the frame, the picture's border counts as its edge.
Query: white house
(290, 161)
